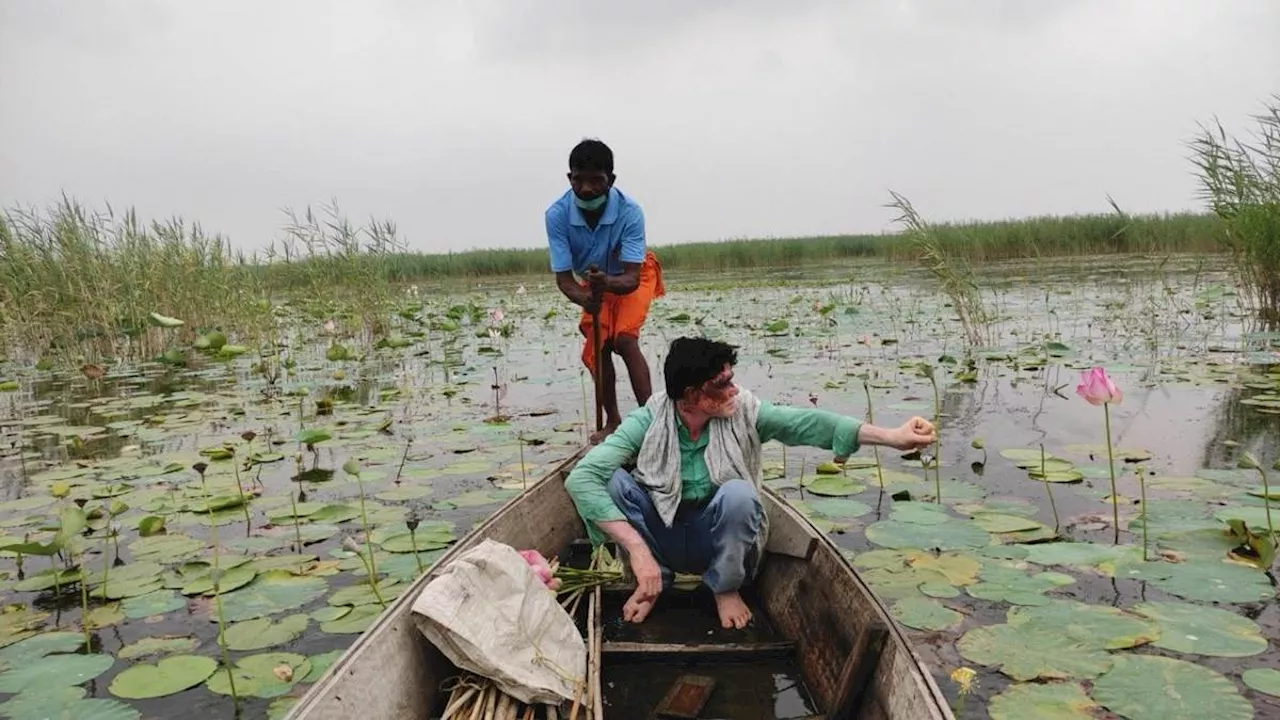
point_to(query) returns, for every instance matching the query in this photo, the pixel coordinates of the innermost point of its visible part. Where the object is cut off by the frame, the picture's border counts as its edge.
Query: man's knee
(621, 486)
(626, 345)
(738, 500)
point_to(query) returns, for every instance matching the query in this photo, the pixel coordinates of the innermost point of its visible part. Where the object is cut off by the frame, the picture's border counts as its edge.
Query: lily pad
(262, 633)
(1048, 701)
(1201, 630)
(834, 486)
(1264, 680)
(165, 548)
(1001, 523)
(1075, 554)
(958, 568)
(1099, 625)
(840, 508)
(64, 703)
(356, 621)
(39, 646)
(271, 592)
(167, 677)
(951, 535)
(53, 670)
(476, 498)
(260, 675)
(158, 646)
(923, 614)
(1209, 581)
(229, 580)
(1151, 687)
(1000, 583)
(153, 603)
(1030, 653)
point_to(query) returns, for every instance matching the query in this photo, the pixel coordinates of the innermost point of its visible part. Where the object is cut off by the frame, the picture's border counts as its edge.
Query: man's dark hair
(692, 361)
(591, 155)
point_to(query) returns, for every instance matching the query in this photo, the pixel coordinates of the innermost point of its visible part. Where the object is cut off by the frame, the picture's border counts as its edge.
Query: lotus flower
(1097, 388)
(541, 568)
(496, 315)
(330, 326)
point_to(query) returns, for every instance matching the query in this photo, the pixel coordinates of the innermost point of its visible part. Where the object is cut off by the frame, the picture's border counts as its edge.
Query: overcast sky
(454, 118)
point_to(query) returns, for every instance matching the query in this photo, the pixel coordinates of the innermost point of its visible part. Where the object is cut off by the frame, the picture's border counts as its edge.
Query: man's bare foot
(598, 436)
(734, 613)
(635, 611)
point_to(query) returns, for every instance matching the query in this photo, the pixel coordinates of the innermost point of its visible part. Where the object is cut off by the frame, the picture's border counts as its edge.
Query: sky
(743, 118)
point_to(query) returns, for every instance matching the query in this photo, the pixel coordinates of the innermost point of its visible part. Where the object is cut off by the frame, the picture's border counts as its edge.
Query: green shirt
(588, 481)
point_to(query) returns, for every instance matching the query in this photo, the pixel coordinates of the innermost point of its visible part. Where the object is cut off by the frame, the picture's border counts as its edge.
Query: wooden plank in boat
(721, 650)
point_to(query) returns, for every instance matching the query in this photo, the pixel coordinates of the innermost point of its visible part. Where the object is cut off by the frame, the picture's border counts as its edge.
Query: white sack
(490, 614)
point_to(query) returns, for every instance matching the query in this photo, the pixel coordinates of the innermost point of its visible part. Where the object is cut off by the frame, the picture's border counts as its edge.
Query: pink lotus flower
(496, 315)
(329, 326)
(541, 568)
(1097, 388)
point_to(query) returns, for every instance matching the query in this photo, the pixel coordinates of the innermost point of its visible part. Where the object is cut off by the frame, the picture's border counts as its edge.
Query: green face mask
(592, 204)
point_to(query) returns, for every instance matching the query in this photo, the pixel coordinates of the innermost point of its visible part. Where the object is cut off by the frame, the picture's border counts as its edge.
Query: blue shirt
(618, 237)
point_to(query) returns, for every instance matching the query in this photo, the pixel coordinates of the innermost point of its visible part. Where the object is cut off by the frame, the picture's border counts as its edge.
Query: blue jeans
(716, 540)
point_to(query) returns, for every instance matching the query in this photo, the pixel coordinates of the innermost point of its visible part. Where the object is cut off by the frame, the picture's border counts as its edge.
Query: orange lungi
(623, 315)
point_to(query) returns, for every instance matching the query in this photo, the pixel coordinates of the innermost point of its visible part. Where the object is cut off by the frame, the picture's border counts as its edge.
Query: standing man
(597, 233)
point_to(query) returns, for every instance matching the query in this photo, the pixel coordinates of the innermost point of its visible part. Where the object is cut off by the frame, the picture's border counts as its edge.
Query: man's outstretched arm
(841, 434)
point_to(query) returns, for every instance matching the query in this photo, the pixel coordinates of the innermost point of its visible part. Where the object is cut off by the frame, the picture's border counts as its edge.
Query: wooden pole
(596, 352)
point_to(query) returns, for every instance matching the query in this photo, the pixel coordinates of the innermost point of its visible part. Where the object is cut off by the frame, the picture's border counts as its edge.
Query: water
(1172, 334)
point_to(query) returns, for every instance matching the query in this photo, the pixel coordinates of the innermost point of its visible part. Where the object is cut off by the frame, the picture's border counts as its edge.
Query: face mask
(592, 204)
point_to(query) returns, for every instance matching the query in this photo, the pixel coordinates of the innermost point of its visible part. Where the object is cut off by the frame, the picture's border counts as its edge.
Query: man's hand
(913, 434)
(596, 280)
(648, 574)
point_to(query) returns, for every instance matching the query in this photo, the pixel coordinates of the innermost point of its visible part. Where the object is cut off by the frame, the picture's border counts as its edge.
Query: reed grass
(77, 285)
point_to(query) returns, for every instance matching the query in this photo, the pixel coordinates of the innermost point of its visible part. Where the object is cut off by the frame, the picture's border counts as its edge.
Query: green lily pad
(233, 579)
(53, 670)
(1030, 653)
(1001, 523)
(476, 498)
(1150, 687)
(841, 508)
(262, 633)
(923, 614)
(1008, 506)
(952, 491)
(1099, 625)
(1209, 581)
(1006, 584)
(403, 493)
(1168, 516)
(1254, 517)
(167, 677)
(950, 535)
(1264, 680)
(271, 592)
(158, 646)
(64, 703)
(334, 514)
(1100, 451)
(1074, 554)
(38, 646)
(358, 620)
(104, 616)
(321, 663)
(1201, 630)
(165, 548)
(919, 513)
(1048, 701)
(834, 486)
(255, 676)
(48, 578)
(362, 593)
(153, 603)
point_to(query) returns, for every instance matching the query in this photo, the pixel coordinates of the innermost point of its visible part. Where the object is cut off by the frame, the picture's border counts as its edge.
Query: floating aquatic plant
(1097, 388)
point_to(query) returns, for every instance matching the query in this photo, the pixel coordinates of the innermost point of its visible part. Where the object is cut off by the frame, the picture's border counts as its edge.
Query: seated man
(692, 504)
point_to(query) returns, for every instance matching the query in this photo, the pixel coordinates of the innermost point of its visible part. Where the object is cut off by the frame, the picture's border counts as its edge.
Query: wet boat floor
(768, 687)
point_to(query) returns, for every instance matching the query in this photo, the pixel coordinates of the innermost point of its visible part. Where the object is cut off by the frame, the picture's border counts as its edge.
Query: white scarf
(733, 453)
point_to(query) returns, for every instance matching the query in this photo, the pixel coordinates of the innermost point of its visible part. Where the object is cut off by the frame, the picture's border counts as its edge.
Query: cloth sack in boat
(489, 613)
(733, 453)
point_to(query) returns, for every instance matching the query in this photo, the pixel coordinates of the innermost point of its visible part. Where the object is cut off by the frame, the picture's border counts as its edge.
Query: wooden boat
(822, 624)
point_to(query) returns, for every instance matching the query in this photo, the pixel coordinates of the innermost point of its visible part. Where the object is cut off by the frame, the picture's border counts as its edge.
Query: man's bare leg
(608, 395)
(637, 367)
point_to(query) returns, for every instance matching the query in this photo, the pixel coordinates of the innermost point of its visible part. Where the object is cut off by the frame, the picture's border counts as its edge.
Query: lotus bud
(349, 543)
(412, 520)
(200, 467)
(248, 435)
(977, 444)
(1248, 461)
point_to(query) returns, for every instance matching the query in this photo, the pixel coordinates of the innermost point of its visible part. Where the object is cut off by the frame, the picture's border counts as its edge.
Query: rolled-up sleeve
(808, 426)
(588, 482)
